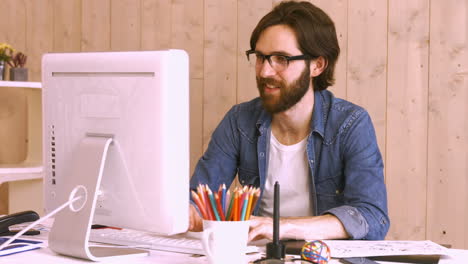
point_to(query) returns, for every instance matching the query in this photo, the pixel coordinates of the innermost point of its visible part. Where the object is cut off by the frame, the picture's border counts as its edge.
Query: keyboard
(189, 243)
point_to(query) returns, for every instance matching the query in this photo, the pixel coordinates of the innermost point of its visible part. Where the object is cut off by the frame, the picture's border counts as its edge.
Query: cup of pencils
(222, 205)
(225, 221)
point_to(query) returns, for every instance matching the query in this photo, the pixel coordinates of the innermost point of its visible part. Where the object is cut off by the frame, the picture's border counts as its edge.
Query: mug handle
(207, 234)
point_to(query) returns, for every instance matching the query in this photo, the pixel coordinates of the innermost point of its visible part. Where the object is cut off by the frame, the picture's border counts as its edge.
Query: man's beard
(288, 96)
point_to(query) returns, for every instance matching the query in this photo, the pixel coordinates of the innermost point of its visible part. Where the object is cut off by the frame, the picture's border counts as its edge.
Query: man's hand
(299, 228)
(196, 223)
(260, 227)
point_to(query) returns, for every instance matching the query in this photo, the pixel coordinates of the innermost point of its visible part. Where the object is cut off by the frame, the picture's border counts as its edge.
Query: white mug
(225, 242)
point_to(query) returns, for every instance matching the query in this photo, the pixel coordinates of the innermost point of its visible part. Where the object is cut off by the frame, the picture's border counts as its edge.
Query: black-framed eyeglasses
(278, 62)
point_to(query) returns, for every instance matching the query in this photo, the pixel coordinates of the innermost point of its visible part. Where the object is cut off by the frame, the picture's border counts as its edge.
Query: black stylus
(276, 249)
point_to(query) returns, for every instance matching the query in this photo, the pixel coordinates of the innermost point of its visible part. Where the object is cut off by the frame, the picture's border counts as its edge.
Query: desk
(45, 255)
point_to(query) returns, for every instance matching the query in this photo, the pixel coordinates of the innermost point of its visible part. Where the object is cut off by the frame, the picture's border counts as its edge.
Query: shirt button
(312, 161)
(351, 212)
(262, 154)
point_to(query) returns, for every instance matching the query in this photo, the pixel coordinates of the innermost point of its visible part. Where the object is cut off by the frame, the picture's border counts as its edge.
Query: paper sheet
(367, 248)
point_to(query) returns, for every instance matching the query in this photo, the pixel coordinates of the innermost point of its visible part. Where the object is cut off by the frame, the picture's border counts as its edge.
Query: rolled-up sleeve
(364, 214)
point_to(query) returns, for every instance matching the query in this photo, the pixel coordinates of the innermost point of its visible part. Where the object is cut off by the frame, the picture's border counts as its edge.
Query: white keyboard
(189, 243)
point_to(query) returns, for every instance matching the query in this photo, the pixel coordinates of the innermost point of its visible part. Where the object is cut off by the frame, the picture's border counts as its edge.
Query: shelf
(20, 172)
(21, 84)
(32, 167)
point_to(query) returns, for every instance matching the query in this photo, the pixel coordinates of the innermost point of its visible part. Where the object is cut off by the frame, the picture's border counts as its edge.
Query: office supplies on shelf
(189, 243)
(17, 218)
(18, 245)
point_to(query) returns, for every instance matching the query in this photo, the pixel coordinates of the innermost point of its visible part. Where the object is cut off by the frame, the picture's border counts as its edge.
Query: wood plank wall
(404, 61)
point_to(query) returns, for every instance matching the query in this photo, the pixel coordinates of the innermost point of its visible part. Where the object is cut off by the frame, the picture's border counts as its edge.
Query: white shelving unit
(32, 167)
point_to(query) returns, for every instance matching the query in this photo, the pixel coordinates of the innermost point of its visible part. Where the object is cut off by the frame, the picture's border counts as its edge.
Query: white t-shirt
(289, 166)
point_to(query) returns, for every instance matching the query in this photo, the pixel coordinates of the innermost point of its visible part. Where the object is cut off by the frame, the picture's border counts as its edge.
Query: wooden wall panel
(67, 26)
(125, 25)
(13, 117)
(13, 107)
(220, 56)
(187, 33)
(95, 25)
(407, 89)
(196, 121)
(249, 14)
(338, 12)
(155, 24)
(39, 34)
(448, 124)
(39, 40)
(367, 60)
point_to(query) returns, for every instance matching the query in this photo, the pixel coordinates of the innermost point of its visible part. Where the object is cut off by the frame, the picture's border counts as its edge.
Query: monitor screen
(140, 101)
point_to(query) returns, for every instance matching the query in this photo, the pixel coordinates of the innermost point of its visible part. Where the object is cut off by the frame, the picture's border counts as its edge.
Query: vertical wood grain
(448, 124)
(67, 26)
(125, 25)
(338, 12)
(367, 61)
(249, 14)
(39, 34)
(408, 67)
(95, 25)
(220, 57)
(187, 33)
(196, 122)
(13, 117)
(155, 24)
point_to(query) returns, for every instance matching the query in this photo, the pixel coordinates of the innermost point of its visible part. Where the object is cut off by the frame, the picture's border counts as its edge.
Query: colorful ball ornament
(316, 251)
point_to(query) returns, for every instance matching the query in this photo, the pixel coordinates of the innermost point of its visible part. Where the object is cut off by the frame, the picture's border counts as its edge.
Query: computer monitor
(116, 131)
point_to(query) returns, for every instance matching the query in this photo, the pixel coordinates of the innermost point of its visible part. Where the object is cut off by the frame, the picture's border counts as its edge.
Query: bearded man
(322, 150)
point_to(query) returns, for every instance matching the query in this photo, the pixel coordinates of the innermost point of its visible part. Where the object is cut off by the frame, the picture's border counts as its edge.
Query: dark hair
(315, 33)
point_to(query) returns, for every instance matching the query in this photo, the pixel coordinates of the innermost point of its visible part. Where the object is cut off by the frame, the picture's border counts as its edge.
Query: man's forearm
(316, 227)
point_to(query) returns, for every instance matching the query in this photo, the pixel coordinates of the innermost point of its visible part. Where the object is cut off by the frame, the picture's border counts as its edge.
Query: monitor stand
(70, 232)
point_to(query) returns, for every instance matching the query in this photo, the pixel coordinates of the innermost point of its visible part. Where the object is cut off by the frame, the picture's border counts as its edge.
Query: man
(322, 150)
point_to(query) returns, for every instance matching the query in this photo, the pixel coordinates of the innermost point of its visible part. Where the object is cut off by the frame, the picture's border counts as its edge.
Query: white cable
(24, 230)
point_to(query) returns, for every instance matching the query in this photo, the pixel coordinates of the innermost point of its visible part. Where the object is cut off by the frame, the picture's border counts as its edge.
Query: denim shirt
(346, 167)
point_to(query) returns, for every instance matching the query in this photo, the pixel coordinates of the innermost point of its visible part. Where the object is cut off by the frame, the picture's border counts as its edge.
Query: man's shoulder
(340, 114)
(252, 109)
(338, 105)
(252, 105)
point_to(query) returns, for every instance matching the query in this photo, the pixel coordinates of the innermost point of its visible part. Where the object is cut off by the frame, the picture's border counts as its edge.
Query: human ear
(317, 66)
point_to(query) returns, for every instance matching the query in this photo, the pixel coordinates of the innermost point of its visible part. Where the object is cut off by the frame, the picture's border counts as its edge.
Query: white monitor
(116, 124)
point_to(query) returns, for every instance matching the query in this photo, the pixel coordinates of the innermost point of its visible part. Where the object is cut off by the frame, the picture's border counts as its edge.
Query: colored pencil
(223, 198)
(208, 204)
(213, 205)
(222, 205)
(244, 206)
(249, 205)
(200, 206)
(219, 207)
(230, 208)
(226, 203)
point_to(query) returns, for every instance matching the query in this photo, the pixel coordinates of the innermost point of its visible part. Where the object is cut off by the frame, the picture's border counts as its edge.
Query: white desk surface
(45, 255)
